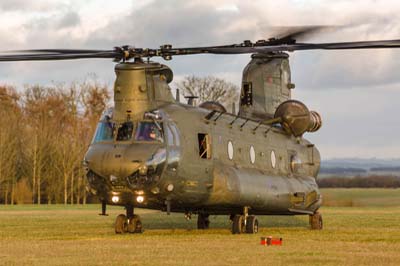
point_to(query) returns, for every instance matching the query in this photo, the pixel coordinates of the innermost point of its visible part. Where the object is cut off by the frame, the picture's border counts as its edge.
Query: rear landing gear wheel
(238, 224)
(316, 221)
(121, 224)
(202, 221)
(251, 225)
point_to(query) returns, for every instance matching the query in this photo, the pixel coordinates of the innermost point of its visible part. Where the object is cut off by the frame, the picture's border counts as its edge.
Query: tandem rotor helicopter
(151, 151)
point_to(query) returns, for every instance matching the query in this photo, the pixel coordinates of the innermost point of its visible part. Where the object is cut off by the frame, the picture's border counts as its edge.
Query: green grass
(77, 235)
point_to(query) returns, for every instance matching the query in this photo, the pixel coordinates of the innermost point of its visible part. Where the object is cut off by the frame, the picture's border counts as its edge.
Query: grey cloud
(23, 5)
(70, 19)
(184, 24)
(53, 23)
(176, 22)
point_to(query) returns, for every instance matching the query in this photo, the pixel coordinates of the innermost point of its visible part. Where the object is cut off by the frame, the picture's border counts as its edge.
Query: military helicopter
(151, 151)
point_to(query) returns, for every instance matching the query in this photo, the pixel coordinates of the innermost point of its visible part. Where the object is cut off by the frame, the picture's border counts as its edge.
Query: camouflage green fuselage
(206, 161)
(269, 181)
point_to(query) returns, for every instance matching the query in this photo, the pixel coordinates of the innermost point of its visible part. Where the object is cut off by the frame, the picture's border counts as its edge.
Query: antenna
(178, 96)
(190, 99)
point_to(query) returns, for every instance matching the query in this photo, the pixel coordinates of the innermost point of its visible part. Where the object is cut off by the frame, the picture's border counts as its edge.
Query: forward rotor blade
(59, 51)
(56, 56)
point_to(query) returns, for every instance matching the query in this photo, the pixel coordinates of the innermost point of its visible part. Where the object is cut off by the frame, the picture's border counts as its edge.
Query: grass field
(76, 235)
(361, 197)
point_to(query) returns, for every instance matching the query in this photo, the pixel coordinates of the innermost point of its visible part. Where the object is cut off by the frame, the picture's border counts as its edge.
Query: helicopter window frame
(247, 96)
(295, 162)
(204, 145)
(273, 159)
(159, 125)
(119, 126)
(176, 134)
(170, 135)
(230, 150)
(99, 135)
(252, 154)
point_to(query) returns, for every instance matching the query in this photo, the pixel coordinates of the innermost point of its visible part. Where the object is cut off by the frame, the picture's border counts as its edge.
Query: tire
(316, 222)
(238, 224)
(139, 227)
(121, 224)
(251, 224)
(131, 227)
(202, 221)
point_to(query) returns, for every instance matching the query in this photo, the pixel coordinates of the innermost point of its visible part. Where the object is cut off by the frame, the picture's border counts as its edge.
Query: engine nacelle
(296, 119)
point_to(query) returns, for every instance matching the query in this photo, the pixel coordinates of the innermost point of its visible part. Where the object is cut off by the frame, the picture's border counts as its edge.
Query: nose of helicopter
(119, 161)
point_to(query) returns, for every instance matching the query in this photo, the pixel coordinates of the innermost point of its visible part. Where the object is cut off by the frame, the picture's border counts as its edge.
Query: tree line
(44, 134)
(373, 181)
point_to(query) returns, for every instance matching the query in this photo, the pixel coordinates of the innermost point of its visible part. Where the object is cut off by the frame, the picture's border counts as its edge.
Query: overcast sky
(356, 92)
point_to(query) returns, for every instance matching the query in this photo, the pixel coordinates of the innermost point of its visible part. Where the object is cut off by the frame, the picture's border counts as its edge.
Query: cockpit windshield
(149, 131)
(125, 131)
(104, 131)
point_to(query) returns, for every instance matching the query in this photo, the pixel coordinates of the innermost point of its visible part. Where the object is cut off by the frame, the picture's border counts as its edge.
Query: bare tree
(9, 142)
(44, 135)
(210, 89)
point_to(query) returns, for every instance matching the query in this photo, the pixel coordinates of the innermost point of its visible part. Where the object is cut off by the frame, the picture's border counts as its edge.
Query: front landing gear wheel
(121, 224)
(238, 224)
(134, 225)
(251, 225)
(316, 221)
(202, 221)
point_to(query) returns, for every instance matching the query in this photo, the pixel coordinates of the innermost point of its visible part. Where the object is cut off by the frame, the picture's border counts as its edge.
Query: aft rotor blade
(308, 46)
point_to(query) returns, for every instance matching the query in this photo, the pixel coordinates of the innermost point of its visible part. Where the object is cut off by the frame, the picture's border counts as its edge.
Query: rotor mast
(140, 87)
(266, 83)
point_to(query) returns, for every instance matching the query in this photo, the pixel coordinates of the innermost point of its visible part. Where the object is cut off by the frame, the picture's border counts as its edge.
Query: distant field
(361, 197)
(76, 235)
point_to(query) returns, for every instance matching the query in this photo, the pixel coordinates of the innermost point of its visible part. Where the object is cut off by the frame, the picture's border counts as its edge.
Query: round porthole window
(230, 150)
(252, 154)
(273, 159)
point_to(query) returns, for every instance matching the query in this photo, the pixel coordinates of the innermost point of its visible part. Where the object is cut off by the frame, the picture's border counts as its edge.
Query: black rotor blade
(290, 35)
(56, 56)
(59, 51)
(166, 51)
(307, 46)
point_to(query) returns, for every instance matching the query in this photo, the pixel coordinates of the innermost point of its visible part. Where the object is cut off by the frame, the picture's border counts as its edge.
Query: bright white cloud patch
(356, 92)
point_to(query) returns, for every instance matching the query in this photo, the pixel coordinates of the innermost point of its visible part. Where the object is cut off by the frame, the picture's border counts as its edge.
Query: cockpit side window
(125, 131)
(104, 131)
(170, 136)
(176, 134)
(149, 131)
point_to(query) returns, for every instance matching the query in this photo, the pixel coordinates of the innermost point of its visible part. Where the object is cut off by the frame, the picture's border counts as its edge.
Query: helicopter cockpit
(149, 131)
(145, 130)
